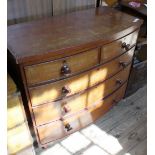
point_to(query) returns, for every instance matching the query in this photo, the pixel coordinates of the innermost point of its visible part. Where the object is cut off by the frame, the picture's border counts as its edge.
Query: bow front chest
(71, 69)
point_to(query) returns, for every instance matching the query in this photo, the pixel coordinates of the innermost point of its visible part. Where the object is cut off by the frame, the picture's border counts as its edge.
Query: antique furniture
(71, 68)
(19, 139)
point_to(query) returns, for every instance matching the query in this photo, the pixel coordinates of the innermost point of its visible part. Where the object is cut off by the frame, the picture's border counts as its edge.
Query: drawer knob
(68, 127)
(115, 101)
(65, 70)
(126, 46)
(123, 64)
(61, 119)
(66, 108)
(65, 90)
(118, 81)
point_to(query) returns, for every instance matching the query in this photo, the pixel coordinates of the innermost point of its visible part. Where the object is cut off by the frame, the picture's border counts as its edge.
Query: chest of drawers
(71, 69)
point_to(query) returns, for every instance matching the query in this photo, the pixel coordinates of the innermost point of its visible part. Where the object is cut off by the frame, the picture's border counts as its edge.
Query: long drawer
(61, 128)
(71, 106)
(60, 89)
(61, 68)
(118, 47)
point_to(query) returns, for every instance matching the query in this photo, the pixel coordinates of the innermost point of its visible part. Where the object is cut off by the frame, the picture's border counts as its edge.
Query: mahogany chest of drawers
(73, 68)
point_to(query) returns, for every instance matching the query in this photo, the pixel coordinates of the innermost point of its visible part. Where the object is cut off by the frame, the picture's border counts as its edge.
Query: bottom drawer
(61, 128)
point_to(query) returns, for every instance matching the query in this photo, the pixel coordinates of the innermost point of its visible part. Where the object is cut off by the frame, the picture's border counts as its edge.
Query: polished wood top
(54, 35)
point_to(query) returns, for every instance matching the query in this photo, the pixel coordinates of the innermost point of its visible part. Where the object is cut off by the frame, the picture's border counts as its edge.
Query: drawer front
(118, 47)
(54, 91)
(59, 129)
(61, 68)
(15, 111)
(72, 106)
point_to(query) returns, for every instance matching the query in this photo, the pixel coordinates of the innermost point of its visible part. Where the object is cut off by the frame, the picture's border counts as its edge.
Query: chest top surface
(33, 39)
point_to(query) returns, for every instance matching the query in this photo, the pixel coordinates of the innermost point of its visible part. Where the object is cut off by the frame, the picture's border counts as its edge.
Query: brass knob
(118, 81)
(126, 46)
(123, 64)
(65, 70)
(65, 90)
(68, 127)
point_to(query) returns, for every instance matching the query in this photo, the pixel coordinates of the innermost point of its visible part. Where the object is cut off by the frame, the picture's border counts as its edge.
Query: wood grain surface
(52, 70)
(54, 111)
(114, 49)
(53, 91)
(41, 39)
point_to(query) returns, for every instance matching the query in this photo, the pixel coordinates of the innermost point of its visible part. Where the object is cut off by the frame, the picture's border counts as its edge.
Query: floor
(122, 131)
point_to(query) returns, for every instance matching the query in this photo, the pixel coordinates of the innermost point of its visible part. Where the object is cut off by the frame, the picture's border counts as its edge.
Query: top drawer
(118, 47)
(60, 68)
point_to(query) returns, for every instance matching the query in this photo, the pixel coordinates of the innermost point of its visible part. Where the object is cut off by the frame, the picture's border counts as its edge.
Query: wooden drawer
(59, 129)
(53, 91)
(118, 47)
(60, 68)
(18, 138)
(15, 111)
(71, 106)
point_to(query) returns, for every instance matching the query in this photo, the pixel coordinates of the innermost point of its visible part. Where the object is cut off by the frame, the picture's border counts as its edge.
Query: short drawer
(61, 68)
(58, 90)
(73, 105)
(61, 128)
(118, 47)
(15, 111)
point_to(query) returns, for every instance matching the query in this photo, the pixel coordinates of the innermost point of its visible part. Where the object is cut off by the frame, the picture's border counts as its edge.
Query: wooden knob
(123, 64)
(65, 90)
(68, 127)
(61, 119)
(65, 70)
(66, 108)
(126, 46)
(123, 44)
(115, 101)
(118, 81)
(138, 47)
